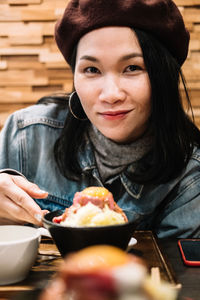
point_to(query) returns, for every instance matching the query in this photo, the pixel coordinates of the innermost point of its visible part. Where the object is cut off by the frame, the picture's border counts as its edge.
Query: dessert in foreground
(94, 206)
(106, 273)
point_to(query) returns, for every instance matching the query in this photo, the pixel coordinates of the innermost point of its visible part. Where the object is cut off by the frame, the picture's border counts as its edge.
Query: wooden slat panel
(14, 97)
(187, 2)
(20, 51)
(38, 14)
(3, 65)
(21, 28)
(23, 40)
(24, 65)
(8, 13)
(197, 28)
(48, 57)
(21, 78)
(24, 1)
(191, 15)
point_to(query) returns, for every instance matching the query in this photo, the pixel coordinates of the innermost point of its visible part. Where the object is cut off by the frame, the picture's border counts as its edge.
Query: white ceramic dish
(18, 252)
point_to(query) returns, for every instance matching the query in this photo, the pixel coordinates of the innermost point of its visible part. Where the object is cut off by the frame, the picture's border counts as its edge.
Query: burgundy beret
(159, 17)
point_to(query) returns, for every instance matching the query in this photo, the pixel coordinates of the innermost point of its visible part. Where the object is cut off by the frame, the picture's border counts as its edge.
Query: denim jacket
(26, 145)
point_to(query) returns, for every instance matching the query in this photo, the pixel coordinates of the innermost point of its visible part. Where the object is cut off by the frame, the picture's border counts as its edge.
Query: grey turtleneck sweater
(112, 158)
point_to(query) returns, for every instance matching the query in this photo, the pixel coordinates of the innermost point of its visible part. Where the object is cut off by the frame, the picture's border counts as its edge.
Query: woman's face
(112, 83)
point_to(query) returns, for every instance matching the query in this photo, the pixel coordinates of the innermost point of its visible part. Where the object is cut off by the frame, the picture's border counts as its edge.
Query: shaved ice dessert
(94, 206)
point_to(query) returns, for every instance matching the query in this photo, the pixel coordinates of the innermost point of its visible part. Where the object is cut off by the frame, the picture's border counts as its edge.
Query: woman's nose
(111, 91)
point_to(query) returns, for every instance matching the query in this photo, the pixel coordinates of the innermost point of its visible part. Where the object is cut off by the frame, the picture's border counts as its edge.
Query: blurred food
(94, 206)
(106, 273)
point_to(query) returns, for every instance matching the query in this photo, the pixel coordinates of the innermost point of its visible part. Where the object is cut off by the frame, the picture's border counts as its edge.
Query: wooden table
(161, 254)
(189, 277)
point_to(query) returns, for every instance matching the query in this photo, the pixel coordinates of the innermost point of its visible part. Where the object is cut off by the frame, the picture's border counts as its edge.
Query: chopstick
(155, 275)
(156, 278)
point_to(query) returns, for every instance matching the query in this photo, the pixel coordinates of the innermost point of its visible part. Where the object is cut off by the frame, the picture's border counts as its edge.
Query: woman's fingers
(30, 210)
(16, 201)
(31, 188)
(12, 211)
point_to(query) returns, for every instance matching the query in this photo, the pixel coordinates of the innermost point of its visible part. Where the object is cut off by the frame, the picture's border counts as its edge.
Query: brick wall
(31, 65)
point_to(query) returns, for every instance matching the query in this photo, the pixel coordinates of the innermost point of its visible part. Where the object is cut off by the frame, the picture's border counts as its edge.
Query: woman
(125, 128)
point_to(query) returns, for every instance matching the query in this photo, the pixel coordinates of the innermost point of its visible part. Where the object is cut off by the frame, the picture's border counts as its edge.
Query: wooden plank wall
(31, 65)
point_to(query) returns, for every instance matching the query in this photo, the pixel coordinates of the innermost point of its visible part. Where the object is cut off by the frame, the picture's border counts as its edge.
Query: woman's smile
(115, 115)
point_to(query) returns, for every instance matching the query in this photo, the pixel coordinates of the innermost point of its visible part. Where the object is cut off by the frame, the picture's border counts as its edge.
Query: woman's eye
(133, 68)
(91, 70)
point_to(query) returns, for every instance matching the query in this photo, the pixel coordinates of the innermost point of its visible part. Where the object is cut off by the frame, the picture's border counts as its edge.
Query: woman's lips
(114, 115)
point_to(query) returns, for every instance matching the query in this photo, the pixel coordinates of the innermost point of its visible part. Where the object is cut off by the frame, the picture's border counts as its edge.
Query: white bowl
(18, 252)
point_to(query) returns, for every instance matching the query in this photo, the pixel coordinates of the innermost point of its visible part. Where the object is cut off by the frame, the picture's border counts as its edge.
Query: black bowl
(69, 239)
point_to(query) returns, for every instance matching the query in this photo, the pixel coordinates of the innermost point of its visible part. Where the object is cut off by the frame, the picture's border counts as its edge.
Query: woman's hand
(16, 203)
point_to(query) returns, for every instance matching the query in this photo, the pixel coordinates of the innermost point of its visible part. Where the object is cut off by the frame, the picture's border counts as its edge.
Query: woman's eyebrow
(123, 58)
(131, 55)
(88, 57)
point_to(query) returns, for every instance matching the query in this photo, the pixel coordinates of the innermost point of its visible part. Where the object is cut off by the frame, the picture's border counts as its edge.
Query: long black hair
(174, 133)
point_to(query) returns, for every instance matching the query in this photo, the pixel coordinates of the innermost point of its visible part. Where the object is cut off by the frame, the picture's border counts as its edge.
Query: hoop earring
(78, 108)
